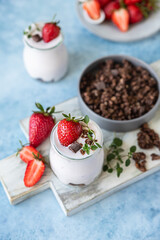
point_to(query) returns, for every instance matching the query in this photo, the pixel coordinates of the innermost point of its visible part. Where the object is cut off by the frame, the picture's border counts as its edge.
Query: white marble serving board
(72, 199)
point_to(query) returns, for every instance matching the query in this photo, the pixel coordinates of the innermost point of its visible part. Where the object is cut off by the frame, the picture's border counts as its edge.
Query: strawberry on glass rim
(40, 124)
(50, 31)
(69, 130)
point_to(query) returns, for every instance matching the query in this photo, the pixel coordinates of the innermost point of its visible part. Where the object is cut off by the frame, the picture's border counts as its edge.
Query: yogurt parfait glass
(75, 168)
(45, 61)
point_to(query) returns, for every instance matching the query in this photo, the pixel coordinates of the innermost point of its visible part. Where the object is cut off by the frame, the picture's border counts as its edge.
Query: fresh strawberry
(27, 153)
(103, 2)
(109, 8)
(68, 130)
(130, 2)
(34, 171)
(40, 125)
(50, 31)
(92, 7)
(120, 18)
(135, 14)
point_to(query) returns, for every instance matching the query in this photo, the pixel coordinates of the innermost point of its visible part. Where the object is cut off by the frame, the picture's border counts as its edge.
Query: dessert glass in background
(75, 168)
(45, 61)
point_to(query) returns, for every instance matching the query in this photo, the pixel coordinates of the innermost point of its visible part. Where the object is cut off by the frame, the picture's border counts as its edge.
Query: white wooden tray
(72, 199)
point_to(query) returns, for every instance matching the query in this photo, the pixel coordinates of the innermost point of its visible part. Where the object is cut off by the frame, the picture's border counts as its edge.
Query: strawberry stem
(37, 157)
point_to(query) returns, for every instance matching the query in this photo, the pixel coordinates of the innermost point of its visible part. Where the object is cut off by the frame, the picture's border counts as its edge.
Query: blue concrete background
(133, 213)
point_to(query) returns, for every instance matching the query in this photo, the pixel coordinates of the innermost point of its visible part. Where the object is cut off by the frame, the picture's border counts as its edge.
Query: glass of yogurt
(44, 61)
(77, 167)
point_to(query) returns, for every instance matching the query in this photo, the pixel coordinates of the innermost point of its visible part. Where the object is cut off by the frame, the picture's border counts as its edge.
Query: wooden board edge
(98, 198)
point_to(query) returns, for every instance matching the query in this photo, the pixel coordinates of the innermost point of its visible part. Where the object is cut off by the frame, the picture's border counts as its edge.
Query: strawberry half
(27, 153)
(68, 130)
(34, 172)
(92, 7)
(120, 18)
(40, 125)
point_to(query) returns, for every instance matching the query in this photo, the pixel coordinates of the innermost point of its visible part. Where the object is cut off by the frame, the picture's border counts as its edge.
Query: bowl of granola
(119, 92)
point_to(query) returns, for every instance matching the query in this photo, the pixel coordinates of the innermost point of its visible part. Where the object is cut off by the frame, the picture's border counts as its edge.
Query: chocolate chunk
(84, 134)
(82, 151)
(36, 38)
(137, 156)
(148, 138)
(155, 156)
(75, 147)
(88, 141)
(141, 166)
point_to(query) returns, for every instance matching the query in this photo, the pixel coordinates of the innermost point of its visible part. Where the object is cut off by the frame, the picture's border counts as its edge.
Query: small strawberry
(40, 125)
(68, 130)
(135, 14)
(120, 18)
(92, 7)
(27, 153)
(34, 171)
(50, 31)
(110, 7)
(103, 2)
(130, 2)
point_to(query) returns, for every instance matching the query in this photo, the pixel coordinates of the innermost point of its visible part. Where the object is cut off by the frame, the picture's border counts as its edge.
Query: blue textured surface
(133, 213)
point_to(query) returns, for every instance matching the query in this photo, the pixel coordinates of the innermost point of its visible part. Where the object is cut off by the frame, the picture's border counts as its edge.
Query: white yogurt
(75, 168)
(45, 61)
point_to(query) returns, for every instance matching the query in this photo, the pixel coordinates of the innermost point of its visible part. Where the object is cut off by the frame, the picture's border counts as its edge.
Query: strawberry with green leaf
(26, 153)
(50, 31)
(69, 130)
(40, 124)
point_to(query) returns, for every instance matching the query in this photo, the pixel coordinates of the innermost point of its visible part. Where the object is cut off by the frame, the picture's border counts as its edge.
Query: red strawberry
(40, 125)
(34, 172)
(92, 7)
(135, 14)
(68, 130)
(109, 8)
(27, 153)
(120, 18)
(50, 31)
(103, 2)
(129, 2)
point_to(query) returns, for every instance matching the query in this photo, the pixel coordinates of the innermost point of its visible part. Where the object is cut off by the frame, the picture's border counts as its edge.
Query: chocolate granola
(119, 91)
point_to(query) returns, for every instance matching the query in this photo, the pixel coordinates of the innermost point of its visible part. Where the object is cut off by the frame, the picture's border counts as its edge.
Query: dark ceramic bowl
(119, 125)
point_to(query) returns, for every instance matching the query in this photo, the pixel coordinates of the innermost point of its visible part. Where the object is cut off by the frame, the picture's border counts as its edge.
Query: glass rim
(45, 49)
(53, 145)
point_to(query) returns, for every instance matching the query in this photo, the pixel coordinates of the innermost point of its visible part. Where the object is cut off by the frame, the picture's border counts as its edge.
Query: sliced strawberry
(26, 153)
(92, 7)
(34, 172)
(120, 18)
(129, 2)
(110, 7)
(103, 2)
(135, 14)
